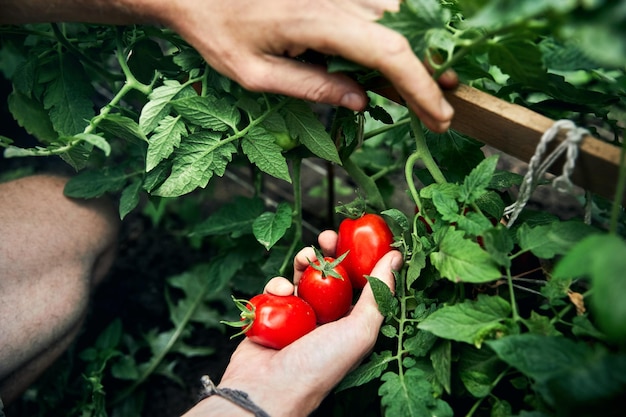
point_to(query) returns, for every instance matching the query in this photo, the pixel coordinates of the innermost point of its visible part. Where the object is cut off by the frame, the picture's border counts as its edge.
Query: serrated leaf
(441, 359)
(269, 228)
(122, 127)
(92, 184)
(387, 303)
(94, 140)
(477, 181)
(166, 137)
(462, 260)
(199, 157)
(414, 19)
(411, 396)
(301, 121)
(31, 115)
(68, 97)
(478, 369)
(519, 58)
(129, 199)
(208, 112)
(574, 377)
(261, 149)
(470, 321)
(158, 105)
(556, 238)
(234, 218)
(367, 372)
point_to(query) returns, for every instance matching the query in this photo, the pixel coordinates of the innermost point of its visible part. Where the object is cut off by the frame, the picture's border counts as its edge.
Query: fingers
(279, 286)
(286, 76)
(327, 241)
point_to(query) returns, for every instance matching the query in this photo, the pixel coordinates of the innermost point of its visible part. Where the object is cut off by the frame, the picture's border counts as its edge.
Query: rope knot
(537, 168)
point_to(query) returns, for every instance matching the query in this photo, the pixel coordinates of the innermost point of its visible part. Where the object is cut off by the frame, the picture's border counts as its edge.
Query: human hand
(294, 380)
(254, 43)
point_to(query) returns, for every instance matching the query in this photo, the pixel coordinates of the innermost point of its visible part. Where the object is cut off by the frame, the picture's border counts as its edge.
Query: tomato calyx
(326, 268)
(247, 314)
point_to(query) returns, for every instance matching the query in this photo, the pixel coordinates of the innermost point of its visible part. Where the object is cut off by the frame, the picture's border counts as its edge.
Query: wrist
(216, 406)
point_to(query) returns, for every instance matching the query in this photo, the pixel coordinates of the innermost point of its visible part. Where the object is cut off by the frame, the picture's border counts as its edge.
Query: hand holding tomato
(294, 380)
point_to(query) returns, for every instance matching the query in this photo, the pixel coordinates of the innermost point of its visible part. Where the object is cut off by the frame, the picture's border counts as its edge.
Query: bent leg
(53, 250)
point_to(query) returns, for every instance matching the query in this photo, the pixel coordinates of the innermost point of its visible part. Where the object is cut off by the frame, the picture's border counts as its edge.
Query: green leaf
(478, 369)
(92, 184)
(122, 127)
(199, 157)
(269, 228)
(461, 260)
(470, 321)
(441, 359)
(556, 238)
(208, 112)
(603, 259)
(235, 218)
(367, 372)
(415, 19)
(387, 303)
(94, 140)
(573, 377)
(68, 97)
(411, 396)
(519, 58)
(494, 14)
(477, 181)
(129, 199)
(540, 357)
(31, 115)
(166, 137)
(158, 105)
(261, 149)
(302, 122)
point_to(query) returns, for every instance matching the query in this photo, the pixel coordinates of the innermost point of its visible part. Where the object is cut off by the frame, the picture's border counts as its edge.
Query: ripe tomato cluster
(325, 290)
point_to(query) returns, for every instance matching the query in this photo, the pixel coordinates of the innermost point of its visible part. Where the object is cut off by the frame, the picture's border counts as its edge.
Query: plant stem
(514, 311)
(365, 183)
(297, 220)
(386, 128)
(421, 149)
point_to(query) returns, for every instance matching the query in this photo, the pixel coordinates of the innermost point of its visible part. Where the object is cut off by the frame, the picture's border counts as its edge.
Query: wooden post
(516, 130)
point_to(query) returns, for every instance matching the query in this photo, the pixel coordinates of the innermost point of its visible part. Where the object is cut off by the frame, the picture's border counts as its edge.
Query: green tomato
(285, 140)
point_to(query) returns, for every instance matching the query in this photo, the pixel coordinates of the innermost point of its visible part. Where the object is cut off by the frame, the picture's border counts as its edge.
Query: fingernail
(446, 109)
(352, 101)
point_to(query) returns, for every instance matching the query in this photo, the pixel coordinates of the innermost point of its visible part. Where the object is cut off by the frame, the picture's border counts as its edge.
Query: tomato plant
(488, 319)
(275, 321)
(364, 241)
(326, 286)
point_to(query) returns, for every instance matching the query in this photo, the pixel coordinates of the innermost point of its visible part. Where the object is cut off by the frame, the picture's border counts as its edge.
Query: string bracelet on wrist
(237, 397)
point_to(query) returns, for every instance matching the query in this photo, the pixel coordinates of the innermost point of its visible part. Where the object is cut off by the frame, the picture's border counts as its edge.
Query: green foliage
(486, 320)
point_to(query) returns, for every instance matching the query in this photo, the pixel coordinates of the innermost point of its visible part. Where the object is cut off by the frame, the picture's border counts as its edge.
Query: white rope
(537, 168)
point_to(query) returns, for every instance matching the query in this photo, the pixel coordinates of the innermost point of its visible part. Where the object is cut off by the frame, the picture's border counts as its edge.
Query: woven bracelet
(235, 396)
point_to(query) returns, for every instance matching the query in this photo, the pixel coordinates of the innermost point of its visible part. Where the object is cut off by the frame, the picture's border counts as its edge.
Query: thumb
(366, 305)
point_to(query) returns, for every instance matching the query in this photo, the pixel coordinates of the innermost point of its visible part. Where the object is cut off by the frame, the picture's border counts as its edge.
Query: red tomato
(275, 321)
(367, 239)
(327, 288)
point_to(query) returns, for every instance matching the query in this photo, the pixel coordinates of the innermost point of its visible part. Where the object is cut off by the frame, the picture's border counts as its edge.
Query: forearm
(117, 12)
